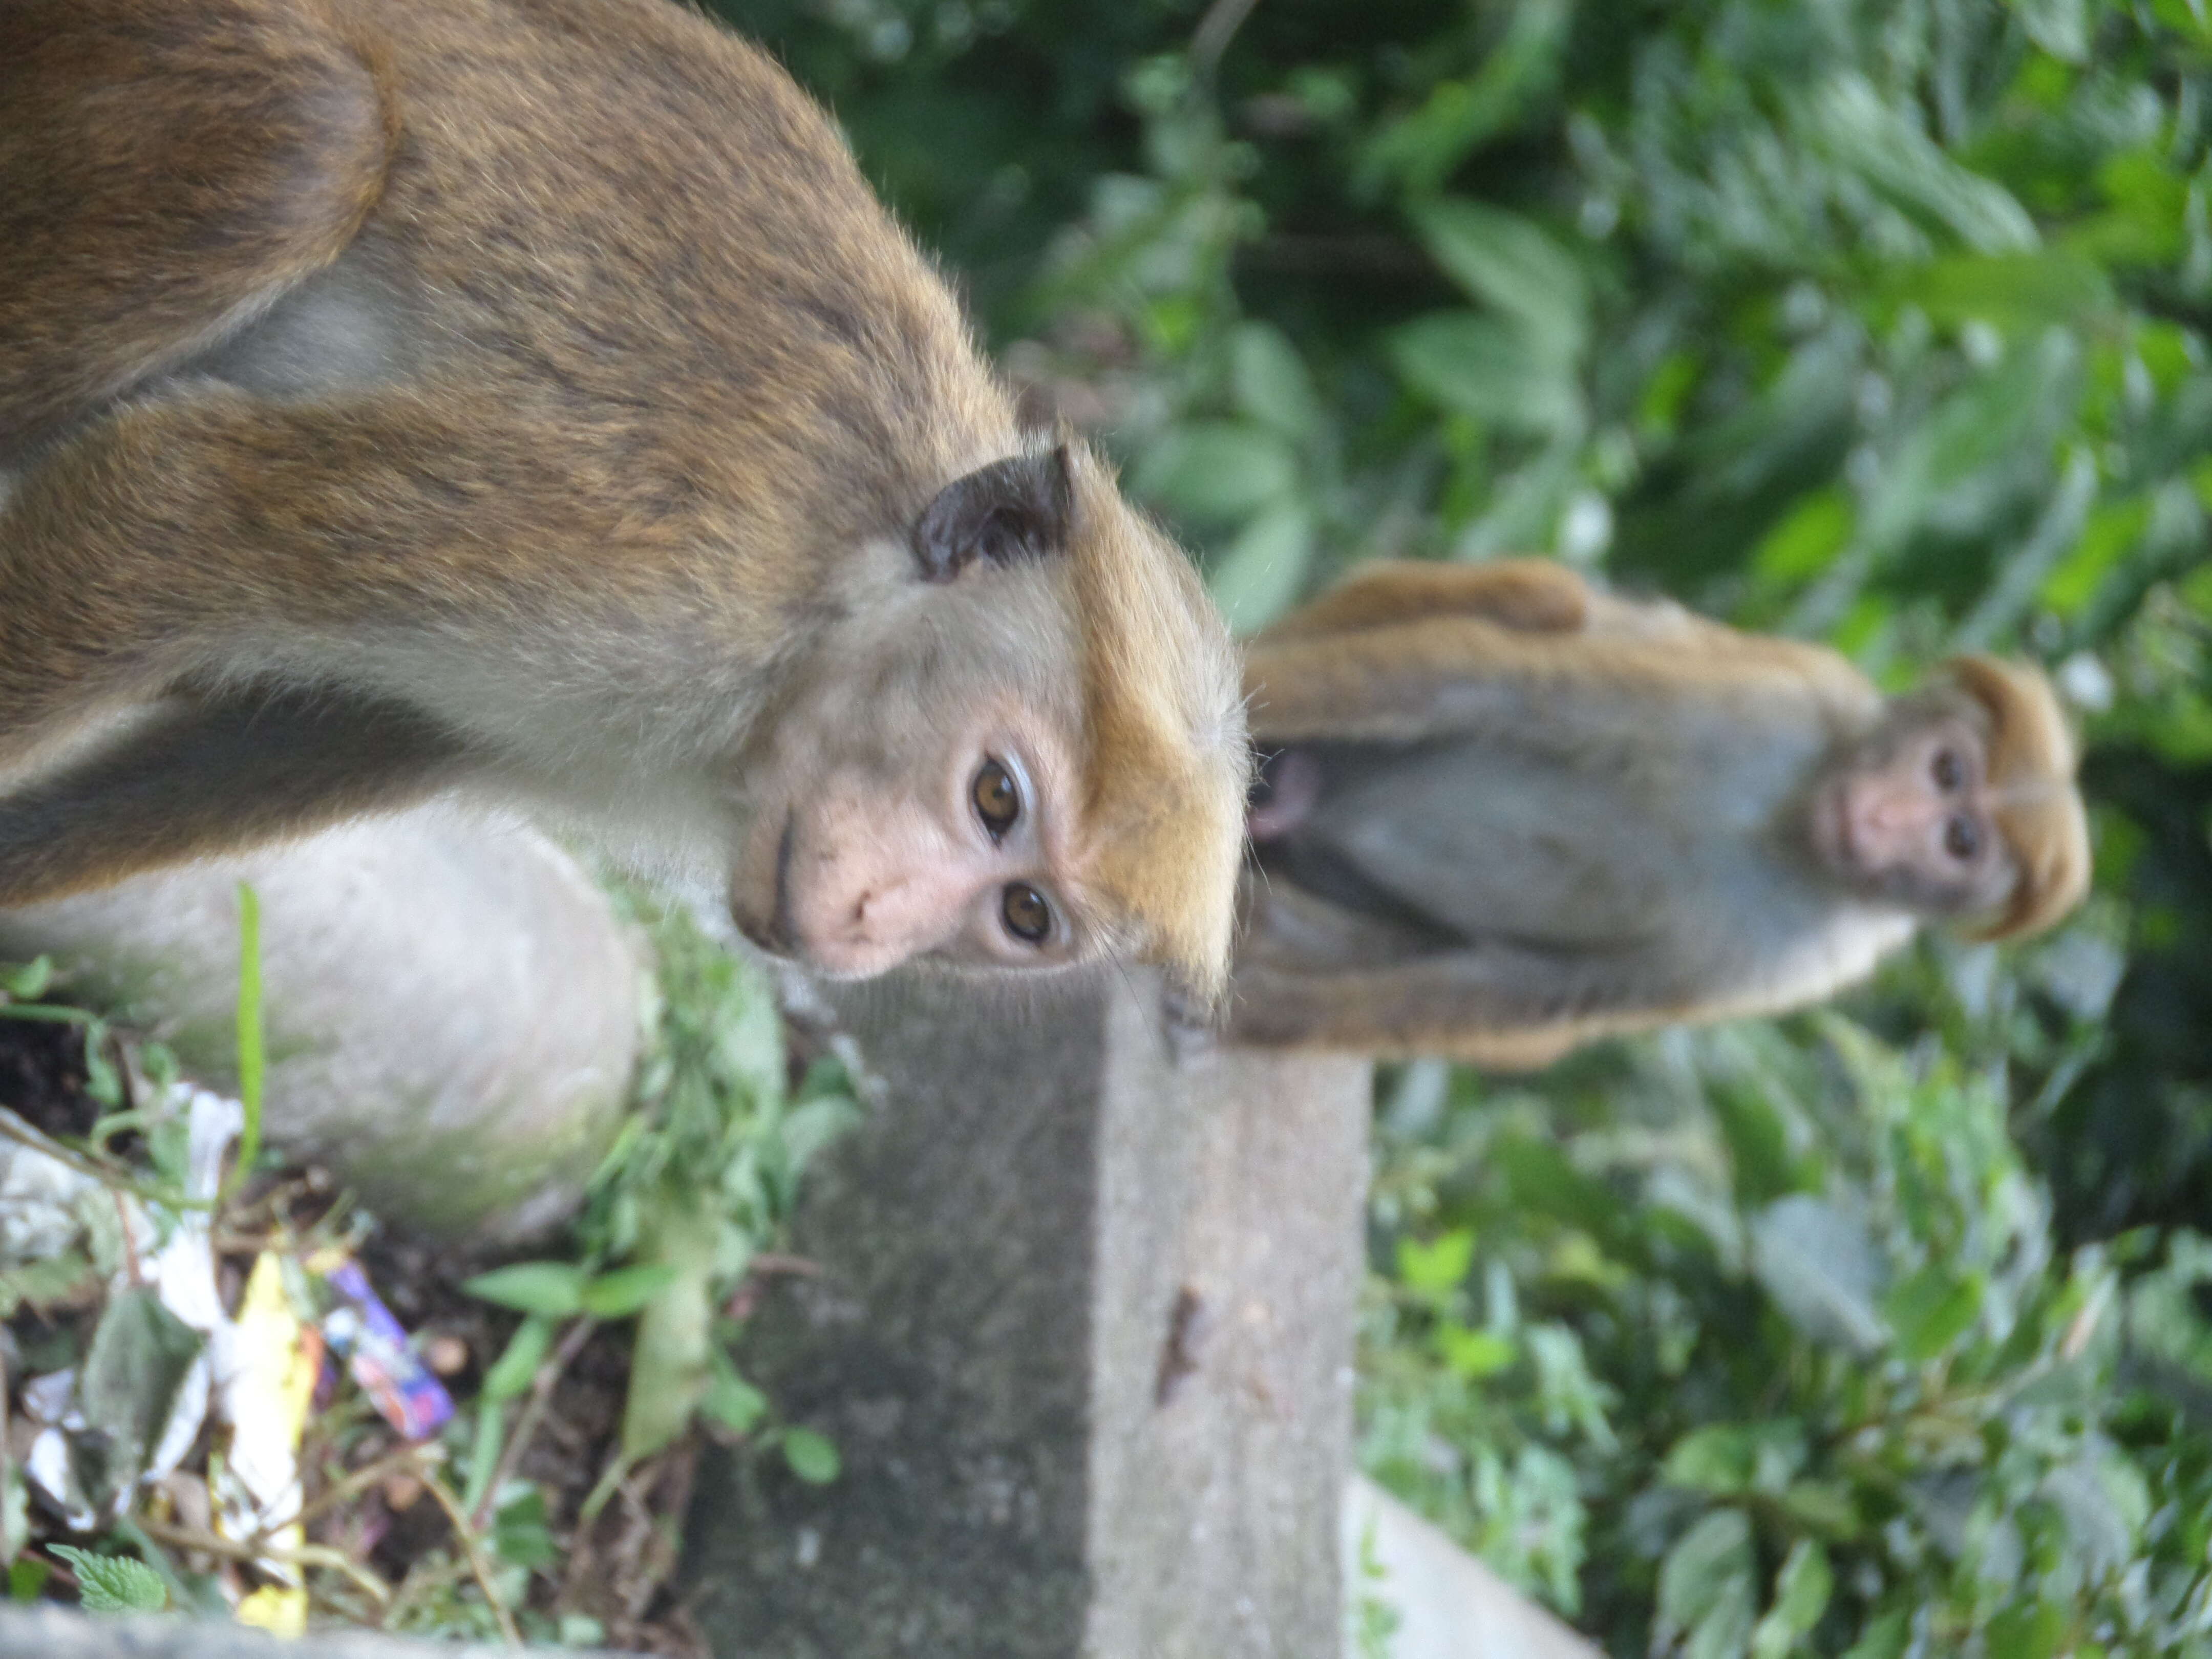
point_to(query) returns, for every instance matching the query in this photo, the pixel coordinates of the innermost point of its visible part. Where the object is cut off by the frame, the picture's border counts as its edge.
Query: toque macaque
(528, 398)
(1503, 813)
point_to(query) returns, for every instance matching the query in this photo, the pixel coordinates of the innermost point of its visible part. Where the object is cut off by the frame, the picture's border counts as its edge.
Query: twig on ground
(305, 1555)
(369, 1473)
(533, 1411)
(465, 1536)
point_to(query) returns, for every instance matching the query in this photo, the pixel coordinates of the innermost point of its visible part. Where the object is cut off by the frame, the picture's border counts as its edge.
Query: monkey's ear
(1003, 513)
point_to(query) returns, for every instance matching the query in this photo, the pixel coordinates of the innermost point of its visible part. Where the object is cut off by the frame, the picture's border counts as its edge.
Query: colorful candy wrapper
(375, 1348)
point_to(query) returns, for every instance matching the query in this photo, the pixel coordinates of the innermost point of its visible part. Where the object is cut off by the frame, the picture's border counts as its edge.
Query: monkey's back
(636, 229)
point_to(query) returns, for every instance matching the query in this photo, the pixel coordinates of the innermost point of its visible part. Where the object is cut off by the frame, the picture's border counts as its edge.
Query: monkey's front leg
(214, 777)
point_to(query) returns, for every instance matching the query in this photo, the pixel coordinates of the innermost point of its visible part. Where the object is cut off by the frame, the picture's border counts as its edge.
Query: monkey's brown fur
(659, 365)
(1401, 654)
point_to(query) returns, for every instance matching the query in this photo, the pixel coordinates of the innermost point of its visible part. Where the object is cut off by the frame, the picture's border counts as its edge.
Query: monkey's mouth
(777, 935)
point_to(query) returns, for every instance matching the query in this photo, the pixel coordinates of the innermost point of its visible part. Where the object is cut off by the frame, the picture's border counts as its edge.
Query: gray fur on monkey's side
(1505, 813)
(529, 396)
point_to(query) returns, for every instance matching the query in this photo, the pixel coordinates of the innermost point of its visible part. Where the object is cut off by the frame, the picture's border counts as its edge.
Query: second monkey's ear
(1003, 513)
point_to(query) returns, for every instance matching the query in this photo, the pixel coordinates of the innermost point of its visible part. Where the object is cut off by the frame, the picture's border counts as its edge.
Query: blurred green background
(1877, 1332)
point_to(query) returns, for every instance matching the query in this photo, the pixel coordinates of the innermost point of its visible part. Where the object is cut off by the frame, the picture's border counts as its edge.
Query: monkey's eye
(998, 798)
(1949, 770)
(1027, 916)
(1962, 838)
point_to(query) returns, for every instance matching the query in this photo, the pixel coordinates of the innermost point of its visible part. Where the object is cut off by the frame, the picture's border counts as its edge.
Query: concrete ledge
(1448, 1604)
(56, 1633)
(1085, 1338)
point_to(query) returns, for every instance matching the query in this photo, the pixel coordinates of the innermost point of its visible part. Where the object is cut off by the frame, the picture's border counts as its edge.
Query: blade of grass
(252, 1052)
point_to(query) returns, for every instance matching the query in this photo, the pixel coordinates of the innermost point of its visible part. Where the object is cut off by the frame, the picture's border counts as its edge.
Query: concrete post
(1084, 1336)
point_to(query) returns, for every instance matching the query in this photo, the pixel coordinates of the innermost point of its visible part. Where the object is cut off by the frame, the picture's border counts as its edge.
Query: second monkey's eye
(1027, 916)
(1949, 770)
(1962, 838)
(998, 798)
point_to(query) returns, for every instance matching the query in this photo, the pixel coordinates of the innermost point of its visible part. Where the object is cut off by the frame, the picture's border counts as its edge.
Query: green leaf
(484, 1446)
(731, 1401)
(1512, 264)
(1425, 145)
(519, 1362)
(1817, 1262)
(1474, 1354)
(2033, 1631)
(1801, 1589)
(2017, 294)
(114, 1584)
(1726, 1458)
(1217, 471)
(811, 1457)
(1264, 569)
(2112, 532)
(619, 1294)
(26, 1579)
(253, 1045)
(1438, 1266)
(1806, 540)
(1489, 369)
(553, 1289)
(140, 1355)
(1758, 1143)
(671, 1362)
(521, 1534)
(1705, 1584)
(1822, 1506)
(1271, 382)
(27, 980)
(1931, 1309)
(1848, 118)
(1885, 1638)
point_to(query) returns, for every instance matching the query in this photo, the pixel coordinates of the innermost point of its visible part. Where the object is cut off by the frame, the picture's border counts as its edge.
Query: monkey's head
(1962, 803)
(1023, 746)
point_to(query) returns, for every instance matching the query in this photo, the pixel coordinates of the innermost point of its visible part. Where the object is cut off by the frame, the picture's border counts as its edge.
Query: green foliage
(1884, 1400)
(811, 1457)
(701, 1179)
(114, 1584)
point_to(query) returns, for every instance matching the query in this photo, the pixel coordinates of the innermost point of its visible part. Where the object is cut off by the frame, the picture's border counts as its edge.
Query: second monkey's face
(1909, 818)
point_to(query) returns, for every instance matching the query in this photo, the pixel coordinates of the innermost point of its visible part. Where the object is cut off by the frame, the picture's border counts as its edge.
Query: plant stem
(465, 1536)
(534, 1410)
(304, 1555)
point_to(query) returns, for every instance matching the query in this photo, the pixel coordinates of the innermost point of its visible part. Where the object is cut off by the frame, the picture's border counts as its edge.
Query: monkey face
(1910, 817)
(924, 806)
(962, 858)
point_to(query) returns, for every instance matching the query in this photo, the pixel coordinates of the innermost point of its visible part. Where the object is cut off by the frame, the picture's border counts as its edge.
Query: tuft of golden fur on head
(1169, 766)
(2030, 772)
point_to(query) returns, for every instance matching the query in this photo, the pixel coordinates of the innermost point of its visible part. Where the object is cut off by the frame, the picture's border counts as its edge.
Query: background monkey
(1504, 813)
(529, 394)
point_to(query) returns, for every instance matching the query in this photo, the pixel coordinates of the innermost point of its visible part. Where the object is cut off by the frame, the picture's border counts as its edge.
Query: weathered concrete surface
(1447, 1605)
(54, 1633)
(453, 1008)
(1084, 1337)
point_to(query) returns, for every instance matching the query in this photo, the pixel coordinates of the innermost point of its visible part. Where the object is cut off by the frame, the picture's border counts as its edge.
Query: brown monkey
(529, 396)
(1505, 813)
